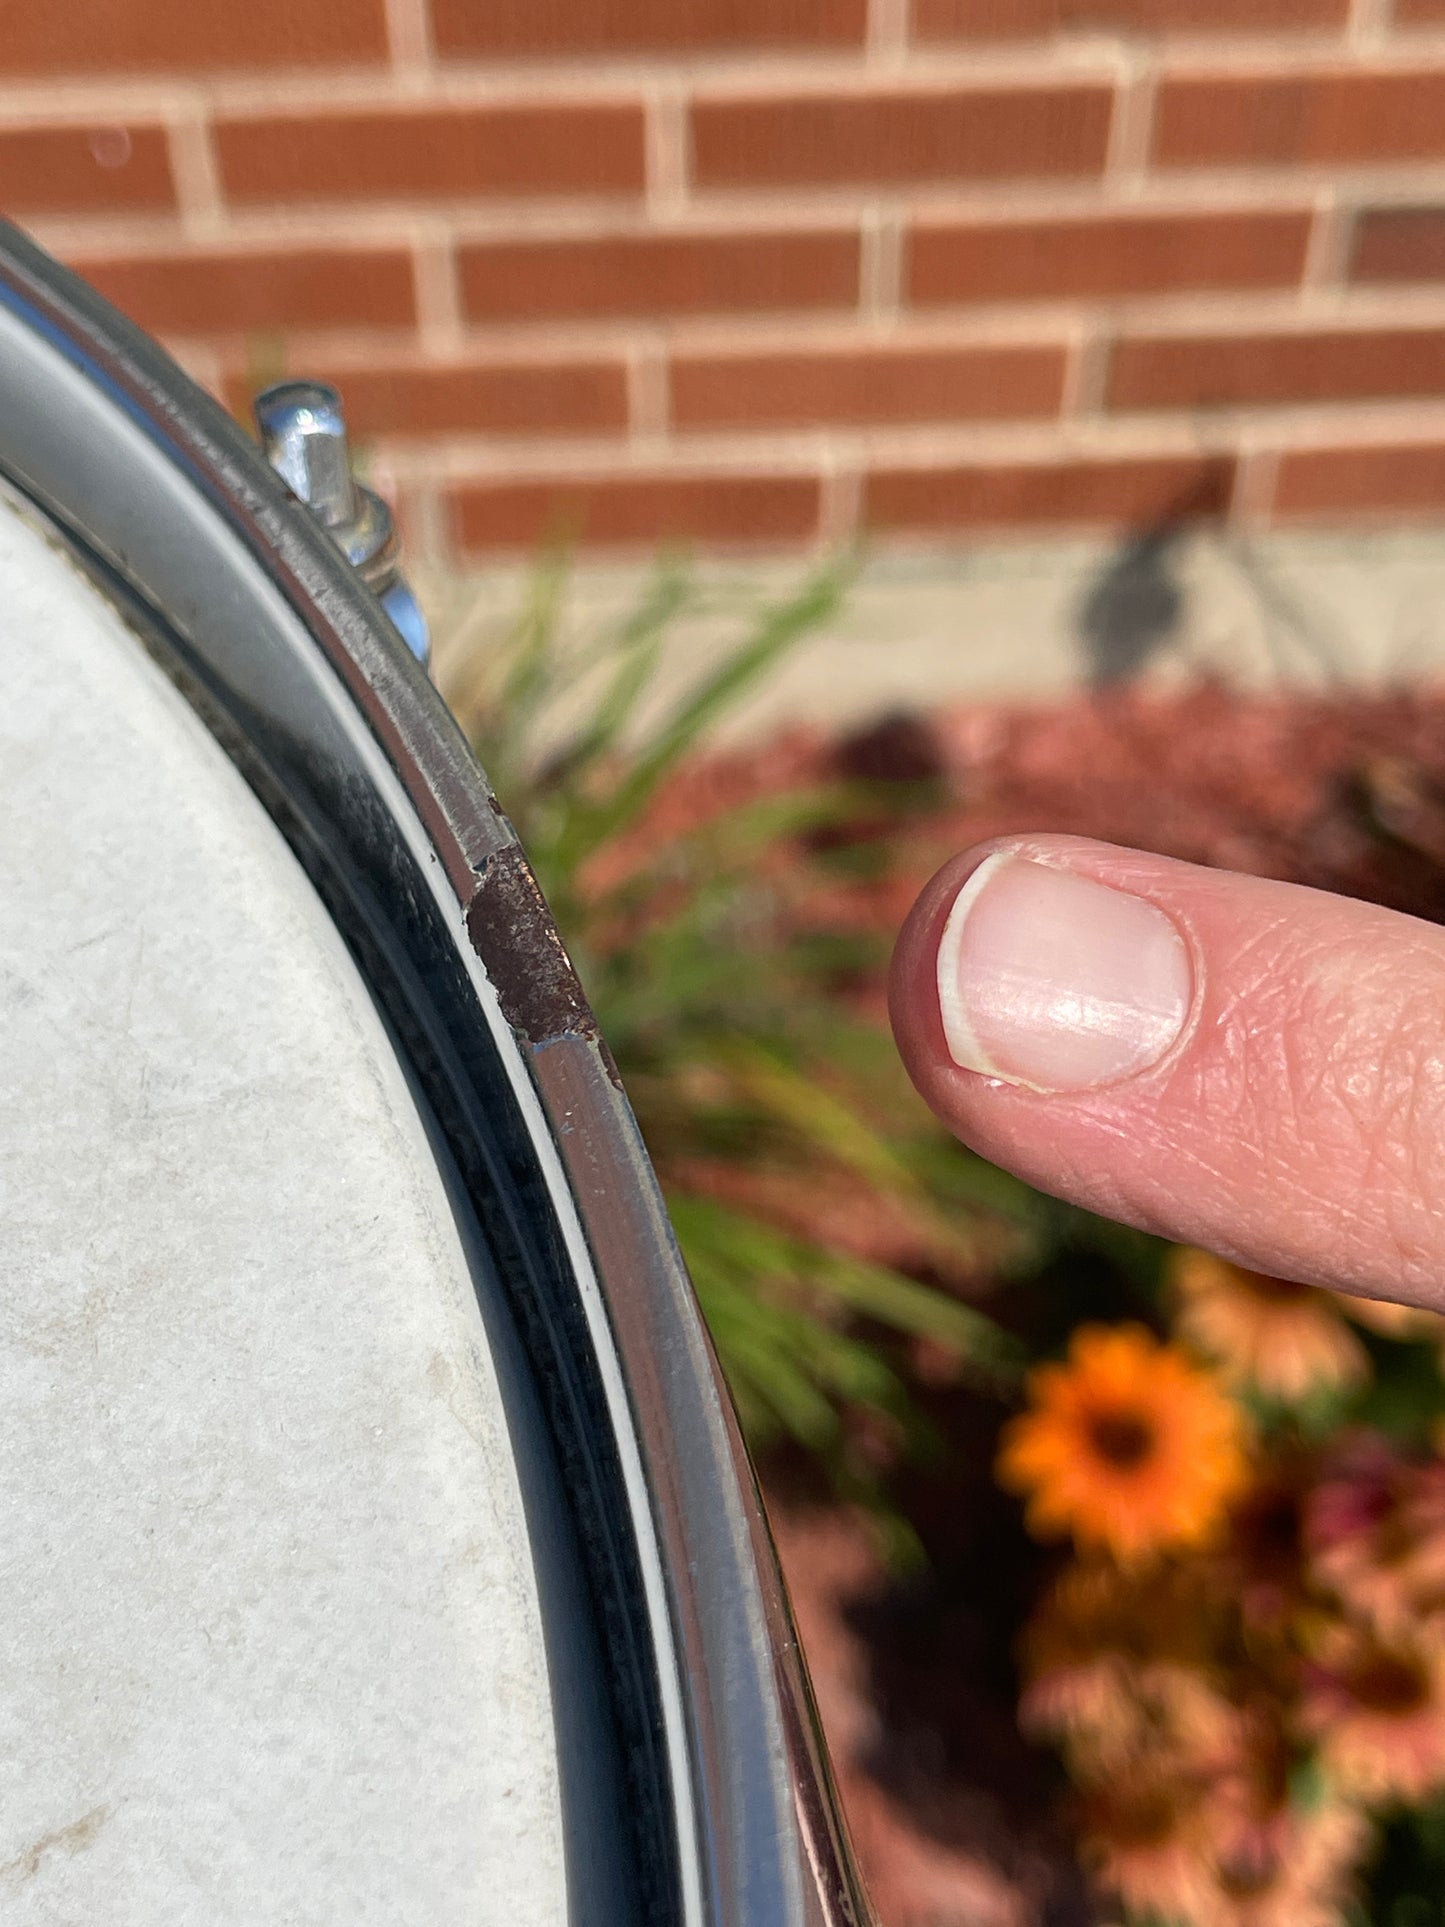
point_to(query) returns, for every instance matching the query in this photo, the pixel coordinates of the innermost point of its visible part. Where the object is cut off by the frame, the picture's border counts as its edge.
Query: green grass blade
(776, 633)
(634, 650)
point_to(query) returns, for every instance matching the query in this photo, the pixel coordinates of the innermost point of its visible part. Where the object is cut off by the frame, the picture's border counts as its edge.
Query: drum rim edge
(788, 1848)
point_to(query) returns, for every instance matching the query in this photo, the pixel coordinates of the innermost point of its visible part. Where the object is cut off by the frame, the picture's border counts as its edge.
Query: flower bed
(1217, 1594)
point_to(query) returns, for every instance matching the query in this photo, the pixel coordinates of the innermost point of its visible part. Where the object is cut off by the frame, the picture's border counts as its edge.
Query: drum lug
(303, 431)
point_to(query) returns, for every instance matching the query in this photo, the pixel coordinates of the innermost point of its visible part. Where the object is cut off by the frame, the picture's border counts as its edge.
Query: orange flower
(1282, 1866)
(1228, 1851)
(1377, 1712)
(1110, 1714)
(1376, 1529)
(1145, 1839)
(1286, 1340)
(1128, 1446)
(1123, 1673)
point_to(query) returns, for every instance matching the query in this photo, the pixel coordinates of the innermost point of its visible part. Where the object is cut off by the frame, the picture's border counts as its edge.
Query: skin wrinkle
(1241, 1064)
(1382, 1074)
(1258, 952)
(1297, 1063)
(1151, 1196)
(1108, 1198)
(1180, 1167)
(1418, 1250)
(1363, 1100)
(1412, 1148)
(1401, 1127)
(1272, 1085)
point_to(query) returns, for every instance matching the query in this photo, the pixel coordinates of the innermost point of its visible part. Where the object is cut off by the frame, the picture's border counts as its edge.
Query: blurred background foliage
(1220, 1594)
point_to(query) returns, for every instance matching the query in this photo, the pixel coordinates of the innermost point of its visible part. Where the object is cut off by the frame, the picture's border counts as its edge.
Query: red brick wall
(762, 270)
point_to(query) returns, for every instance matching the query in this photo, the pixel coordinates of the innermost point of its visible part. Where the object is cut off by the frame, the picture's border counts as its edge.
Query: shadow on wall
(1133, 608)
(1136, 610)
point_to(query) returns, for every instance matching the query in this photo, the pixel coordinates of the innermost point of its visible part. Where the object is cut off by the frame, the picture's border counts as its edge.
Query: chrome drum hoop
(300, 675)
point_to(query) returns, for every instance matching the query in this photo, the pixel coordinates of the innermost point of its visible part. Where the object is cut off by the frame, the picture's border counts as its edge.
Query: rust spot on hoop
(512, 932)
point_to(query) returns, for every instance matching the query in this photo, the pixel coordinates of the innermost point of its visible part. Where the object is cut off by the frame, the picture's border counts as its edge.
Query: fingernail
(1048, 980)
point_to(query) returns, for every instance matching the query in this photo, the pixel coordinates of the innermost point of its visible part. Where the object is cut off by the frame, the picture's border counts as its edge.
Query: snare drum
(378, 1542)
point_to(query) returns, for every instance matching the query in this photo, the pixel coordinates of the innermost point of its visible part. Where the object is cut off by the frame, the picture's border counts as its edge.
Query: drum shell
(299, 675)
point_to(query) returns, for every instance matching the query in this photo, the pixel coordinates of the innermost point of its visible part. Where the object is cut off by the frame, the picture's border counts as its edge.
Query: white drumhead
(270, 1621)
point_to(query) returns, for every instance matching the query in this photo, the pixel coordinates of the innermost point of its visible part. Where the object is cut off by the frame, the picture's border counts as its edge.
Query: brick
(1407, 481)
(657, 275)
(1399, 244)
(520, 27)
(1325, 365)
(403, 154)
(173, 36)
(62, 170)
(229, 294)
(1292, 119)
(1102, 258)
(884, 137)
(638, 511)
(583, 397)
(867, 385)
(1020, 19)
(1090, 493)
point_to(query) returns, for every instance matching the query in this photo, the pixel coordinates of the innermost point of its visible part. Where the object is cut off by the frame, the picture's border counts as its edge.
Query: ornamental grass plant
(1221, 1589)
(711, 934)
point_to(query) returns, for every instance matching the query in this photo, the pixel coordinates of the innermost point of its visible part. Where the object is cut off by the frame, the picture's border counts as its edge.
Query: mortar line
(668, 159)
(881, 262)
(886, 35)
(197, 175)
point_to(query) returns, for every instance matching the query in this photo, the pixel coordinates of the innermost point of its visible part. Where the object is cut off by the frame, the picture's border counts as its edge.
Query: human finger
(1242, 1064)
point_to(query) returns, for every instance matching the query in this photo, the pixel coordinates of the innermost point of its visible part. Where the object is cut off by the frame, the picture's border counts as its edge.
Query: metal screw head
(303, 431)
